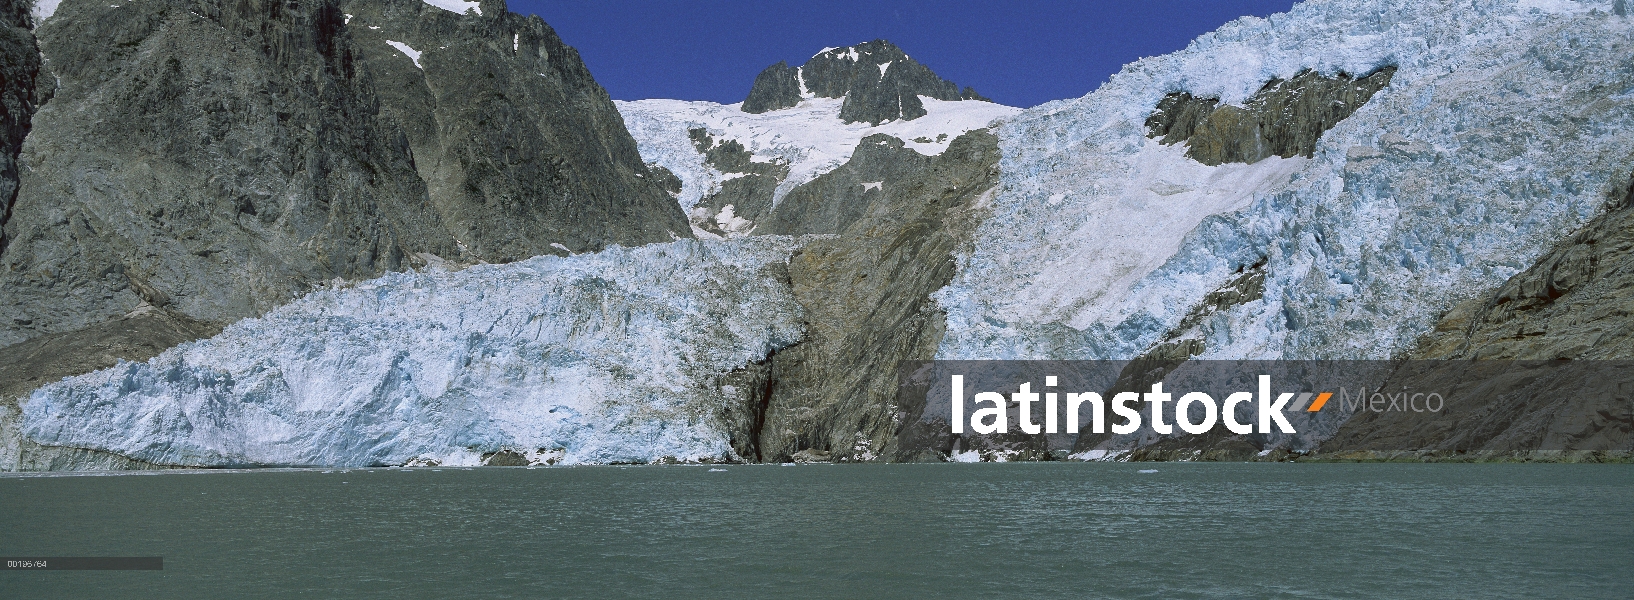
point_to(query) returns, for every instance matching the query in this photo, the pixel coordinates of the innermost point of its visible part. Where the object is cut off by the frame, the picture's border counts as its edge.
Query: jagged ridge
(878, 81)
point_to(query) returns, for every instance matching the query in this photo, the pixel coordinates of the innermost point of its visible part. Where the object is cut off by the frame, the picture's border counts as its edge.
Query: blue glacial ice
(595, 358)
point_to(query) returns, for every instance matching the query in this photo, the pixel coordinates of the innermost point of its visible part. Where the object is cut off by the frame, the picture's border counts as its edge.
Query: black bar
(82, 563)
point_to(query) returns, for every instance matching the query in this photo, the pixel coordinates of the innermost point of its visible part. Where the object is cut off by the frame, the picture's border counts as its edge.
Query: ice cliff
(596, 358)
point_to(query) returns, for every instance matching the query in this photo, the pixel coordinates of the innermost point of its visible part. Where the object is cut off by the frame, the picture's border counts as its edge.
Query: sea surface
(1203, 530)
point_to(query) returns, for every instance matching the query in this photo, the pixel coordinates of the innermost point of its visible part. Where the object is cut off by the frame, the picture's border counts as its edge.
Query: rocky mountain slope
(300, 149)
(520, 149)
(200, 162)
(866, 293)
(1354, 179)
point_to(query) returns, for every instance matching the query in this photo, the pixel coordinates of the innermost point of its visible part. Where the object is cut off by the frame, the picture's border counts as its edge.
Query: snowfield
(595, 358)
(810, 138)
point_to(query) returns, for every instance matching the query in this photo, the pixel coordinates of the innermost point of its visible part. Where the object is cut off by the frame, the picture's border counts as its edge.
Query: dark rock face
(518, 146)
(866, 296)
(969, 93)
(218, 159)
(215, 158)
(19, 66)
(776, 87)
(1285, 118)
(877, 79)
(879, 83)
(667, 180)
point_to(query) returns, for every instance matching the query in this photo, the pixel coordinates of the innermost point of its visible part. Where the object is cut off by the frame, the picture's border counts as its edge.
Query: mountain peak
(877, 79)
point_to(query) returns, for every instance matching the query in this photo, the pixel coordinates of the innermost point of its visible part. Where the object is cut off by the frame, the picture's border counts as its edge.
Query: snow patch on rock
(456, 6)
(43, 9)
(413, 54)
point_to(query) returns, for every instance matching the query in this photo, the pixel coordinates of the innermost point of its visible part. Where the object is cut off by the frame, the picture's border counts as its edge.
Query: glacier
(595, 358)
(1504, 127)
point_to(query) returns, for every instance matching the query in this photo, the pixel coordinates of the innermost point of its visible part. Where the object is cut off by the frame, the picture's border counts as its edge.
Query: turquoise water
(1041, 529)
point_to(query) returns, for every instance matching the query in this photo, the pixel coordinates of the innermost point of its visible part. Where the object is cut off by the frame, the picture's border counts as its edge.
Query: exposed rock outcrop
(776, 87)
(519, 147)
(1498, 408)
(866, 293)
(877, 79)
(1285, 118)
(1574, 303)
(141, 335)
(836, 201)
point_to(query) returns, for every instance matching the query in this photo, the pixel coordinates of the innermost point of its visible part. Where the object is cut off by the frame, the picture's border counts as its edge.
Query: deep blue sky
(1021, 53)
